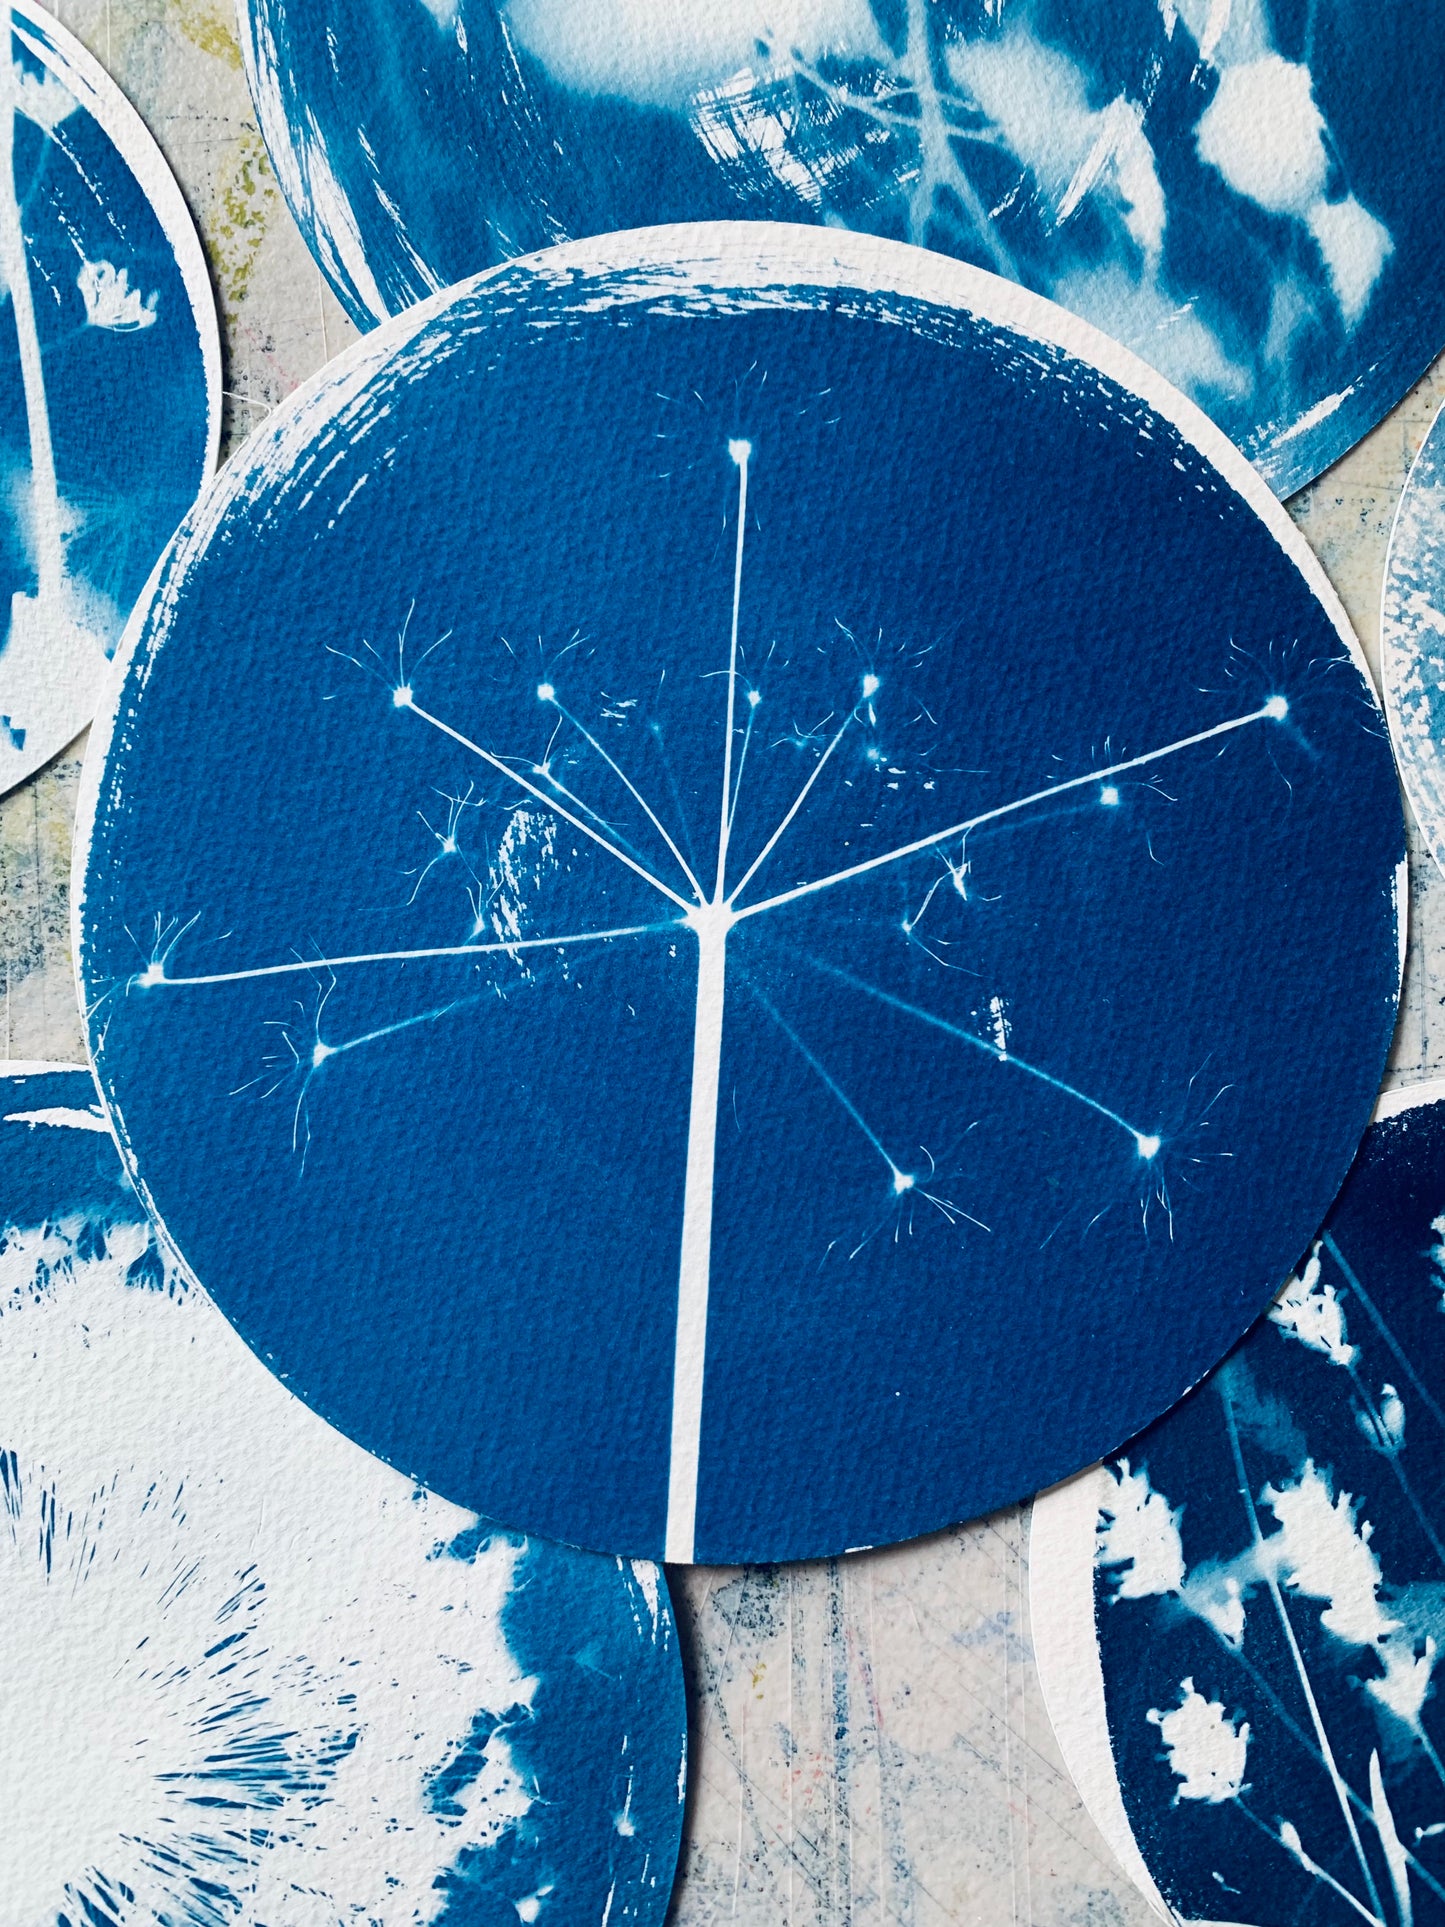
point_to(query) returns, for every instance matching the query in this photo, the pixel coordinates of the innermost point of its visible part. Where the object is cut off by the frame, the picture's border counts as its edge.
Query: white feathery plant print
(700, 903)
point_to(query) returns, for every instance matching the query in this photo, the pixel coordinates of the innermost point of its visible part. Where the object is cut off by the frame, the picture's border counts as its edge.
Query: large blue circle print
(764, 874)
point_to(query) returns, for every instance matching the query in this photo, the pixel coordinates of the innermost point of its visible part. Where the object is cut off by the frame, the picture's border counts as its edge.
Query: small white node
(1148, 1148)
(546, 693)
(401, 698)
(871, 685)
(320, 1055)
(753, 698)
(903, 1181)
(1277, 707)
(154, 973)
(740, 451)
(1109, 797)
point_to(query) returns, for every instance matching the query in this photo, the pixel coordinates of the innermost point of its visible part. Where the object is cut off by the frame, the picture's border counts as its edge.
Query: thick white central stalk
(710, 924)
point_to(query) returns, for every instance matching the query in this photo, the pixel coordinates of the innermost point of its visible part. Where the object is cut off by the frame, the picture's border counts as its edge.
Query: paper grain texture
(830, 1702)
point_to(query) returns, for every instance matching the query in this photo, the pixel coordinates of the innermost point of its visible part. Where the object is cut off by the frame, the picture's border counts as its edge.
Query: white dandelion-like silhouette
(699, 907)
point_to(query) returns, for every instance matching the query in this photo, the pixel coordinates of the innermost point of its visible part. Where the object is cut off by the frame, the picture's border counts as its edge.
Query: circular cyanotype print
(1412, 638)
(246, 1671)
(1238, 1620)
(763, 872)
(109, 372)
(1245, 194)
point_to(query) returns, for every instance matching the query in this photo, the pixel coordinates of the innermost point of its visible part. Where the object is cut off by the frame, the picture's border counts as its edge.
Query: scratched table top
(869, 1739)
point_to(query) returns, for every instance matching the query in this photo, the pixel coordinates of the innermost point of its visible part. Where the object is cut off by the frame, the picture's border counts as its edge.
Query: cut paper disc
(110, 367)
(1238, 1620)
(1412, 638)
(764, 872)
(247, 1672)
(1247, 196)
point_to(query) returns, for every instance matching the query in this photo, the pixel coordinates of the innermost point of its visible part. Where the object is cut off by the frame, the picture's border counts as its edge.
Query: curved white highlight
(1066, 1651)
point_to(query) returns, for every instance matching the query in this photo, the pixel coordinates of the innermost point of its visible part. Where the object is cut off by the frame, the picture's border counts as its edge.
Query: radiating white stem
(44, 530)
(711, 927)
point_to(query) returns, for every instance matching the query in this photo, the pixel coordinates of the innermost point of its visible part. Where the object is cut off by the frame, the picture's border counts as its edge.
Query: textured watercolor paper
(110, 367)
(249, 1674)
(1245, 192)
(765, 849)
(1412, 638)
(1238, 1619)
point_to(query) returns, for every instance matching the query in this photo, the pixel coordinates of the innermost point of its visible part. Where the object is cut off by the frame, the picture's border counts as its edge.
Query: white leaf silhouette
(1312, 1312)
(1206, 1750)
(1138, 1530)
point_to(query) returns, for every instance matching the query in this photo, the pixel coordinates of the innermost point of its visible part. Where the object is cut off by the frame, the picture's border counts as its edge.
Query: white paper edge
(1390, 654)
(1409, 1097)
(98, 95)
(1061, 1612)
(1071, 1673)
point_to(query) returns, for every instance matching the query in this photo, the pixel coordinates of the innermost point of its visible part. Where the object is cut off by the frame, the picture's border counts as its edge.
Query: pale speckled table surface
(869, 1740)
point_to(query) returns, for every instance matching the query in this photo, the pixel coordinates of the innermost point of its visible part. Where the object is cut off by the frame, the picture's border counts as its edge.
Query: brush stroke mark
(249, 1673)
(661, 886)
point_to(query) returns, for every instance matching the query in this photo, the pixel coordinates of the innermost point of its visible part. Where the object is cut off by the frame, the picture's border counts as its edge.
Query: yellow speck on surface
(210, 28)
(246, 204)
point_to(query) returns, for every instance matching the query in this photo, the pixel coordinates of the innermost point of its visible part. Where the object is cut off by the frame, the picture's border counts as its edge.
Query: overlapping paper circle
(741, 852)
(1237, 1620)
(110, 369)
(1247, 195)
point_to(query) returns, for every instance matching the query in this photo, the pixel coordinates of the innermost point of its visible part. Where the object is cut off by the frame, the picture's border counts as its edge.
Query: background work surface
(869, 1742)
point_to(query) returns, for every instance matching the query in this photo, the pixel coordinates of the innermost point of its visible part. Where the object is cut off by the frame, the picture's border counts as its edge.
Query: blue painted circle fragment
(768, 893)
(109, 379)
(1268, 1579)
(311, 1678)
(1247, 196)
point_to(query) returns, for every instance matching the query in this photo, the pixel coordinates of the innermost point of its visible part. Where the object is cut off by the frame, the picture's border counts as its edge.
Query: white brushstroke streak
(665, 56)
(303, 165)
(1038, 100)
(64, 1116)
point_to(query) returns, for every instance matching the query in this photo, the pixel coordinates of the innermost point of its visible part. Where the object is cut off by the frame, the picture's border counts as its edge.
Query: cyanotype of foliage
(109, 372)
(1270, 1584)
(1246, 193)
(796, 835)
(247, 1673)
